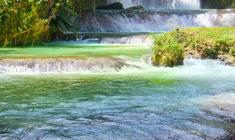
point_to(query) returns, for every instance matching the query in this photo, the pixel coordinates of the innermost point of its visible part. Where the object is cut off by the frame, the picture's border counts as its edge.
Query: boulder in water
(113, 6)
(136, 8)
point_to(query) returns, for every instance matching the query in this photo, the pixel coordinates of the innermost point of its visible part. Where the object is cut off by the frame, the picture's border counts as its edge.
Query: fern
(69, 10)
(62, 25)
(62, 20)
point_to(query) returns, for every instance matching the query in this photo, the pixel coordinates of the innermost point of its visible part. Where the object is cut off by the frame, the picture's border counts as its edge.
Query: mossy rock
(167, 61)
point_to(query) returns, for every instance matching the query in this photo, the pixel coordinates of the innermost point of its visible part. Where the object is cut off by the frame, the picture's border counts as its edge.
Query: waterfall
(153, 20)
(109, 65)
(157, 16)
(60, 65)
(159, 4)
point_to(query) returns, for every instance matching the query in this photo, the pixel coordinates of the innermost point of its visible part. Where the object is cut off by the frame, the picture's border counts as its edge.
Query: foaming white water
(144, 39)
(206, 68)
(221, 104)
(159, 4)
(215, 19)
(153, 21)
(192, 68)
(112, 39)
(60, 65)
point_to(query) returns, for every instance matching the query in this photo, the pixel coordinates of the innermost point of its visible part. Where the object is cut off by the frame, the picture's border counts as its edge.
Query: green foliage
(62, 21)
(210, 42)
(33, 21)
(21, 23)
(169, 48)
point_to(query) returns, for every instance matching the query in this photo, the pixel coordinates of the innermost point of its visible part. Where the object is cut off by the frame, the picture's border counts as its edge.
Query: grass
(206, 43)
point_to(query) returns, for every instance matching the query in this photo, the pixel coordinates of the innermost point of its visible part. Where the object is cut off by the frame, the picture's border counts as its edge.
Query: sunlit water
(136, 101)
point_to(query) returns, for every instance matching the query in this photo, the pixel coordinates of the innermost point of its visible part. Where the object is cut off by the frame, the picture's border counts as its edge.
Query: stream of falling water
(159, 4)
(137, 21)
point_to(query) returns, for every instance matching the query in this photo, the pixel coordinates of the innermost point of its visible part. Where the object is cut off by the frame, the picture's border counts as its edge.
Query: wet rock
(228, 60)
(113, 6)
(136, 8)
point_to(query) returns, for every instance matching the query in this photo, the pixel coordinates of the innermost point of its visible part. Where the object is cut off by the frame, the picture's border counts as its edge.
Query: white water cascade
(159, 4)
(114, 21)
(120, 64)
(131, 26)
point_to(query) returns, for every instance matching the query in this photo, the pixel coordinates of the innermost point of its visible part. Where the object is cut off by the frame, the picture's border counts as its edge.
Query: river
(134, 101)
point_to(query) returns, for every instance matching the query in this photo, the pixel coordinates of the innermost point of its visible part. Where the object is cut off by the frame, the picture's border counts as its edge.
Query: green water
(134, 103)
(74, 51)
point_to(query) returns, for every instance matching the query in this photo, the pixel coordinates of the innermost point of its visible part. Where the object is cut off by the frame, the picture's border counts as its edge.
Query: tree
(33, 21)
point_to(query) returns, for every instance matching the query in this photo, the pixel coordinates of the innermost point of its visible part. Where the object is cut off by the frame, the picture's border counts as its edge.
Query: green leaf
(69, 10)
(62, 25)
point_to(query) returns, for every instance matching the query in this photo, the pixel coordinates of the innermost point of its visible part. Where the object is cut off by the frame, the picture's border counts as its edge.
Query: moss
(202, 42)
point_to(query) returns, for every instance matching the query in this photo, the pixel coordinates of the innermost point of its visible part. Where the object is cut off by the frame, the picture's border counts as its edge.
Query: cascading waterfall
(60, 65)
(153, 21)
(157, 16)
(121, 64)
(159, 4)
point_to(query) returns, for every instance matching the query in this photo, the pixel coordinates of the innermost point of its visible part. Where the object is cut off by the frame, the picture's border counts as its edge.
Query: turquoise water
(194, 101)
(74, 50)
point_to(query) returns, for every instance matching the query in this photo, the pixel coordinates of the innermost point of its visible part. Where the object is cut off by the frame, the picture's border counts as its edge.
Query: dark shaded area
(217, 4)
(113, 6)
(136, 8)
(228, 137)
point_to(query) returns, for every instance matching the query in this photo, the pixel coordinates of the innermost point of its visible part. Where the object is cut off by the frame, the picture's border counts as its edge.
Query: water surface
(194, 101)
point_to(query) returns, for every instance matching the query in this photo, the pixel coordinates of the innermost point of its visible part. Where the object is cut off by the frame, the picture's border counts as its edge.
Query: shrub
(21, 22)
(169, 48)
(32, 21)
(167, 51)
